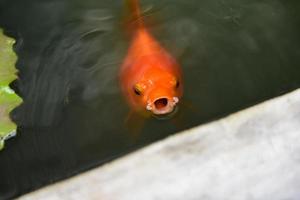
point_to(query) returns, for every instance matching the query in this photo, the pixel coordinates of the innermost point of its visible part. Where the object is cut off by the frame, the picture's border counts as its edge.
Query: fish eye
(137, 89)
(177, 84)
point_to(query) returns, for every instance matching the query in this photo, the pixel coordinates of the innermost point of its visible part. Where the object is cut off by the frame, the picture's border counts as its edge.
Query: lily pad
(8, 98)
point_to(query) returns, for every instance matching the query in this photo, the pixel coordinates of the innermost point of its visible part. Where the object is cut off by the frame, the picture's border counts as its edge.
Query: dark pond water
(234, 54)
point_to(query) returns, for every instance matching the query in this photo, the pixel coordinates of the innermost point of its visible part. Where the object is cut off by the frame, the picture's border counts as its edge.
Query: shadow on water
(233, 54)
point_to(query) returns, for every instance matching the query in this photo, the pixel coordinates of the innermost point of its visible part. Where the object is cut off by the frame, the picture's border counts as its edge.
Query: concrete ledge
(253, 154)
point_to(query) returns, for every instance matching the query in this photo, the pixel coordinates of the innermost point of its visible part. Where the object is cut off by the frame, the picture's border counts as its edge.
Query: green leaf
(8, 99)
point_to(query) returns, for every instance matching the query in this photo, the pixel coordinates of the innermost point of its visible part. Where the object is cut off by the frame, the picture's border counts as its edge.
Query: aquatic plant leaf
(8, 98)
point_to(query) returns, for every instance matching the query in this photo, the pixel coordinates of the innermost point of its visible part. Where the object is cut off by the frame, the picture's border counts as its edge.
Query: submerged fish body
(150, 77)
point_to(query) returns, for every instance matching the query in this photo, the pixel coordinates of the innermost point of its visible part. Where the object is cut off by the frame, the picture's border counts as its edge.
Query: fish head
(159, 93)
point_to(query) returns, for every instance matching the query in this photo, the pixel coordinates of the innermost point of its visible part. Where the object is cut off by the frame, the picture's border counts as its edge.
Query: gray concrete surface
(252, 154)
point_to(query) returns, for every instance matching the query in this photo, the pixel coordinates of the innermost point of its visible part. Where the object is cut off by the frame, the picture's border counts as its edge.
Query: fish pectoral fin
(189, 106)
(186, 108)
(134, 123)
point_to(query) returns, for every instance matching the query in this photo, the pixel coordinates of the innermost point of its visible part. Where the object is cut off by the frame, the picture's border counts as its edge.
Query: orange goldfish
(150, 78)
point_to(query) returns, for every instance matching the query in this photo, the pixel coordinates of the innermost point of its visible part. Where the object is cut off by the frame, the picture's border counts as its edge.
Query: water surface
(233, 53)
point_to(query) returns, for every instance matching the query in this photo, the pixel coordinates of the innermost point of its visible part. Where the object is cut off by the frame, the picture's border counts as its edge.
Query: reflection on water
(233, 53)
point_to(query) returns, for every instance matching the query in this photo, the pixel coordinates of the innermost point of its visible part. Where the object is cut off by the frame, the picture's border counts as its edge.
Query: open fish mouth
(163, 105)
(167, 115)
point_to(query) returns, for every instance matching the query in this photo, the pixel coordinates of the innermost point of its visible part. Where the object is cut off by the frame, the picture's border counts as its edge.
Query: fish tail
(135, 10)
